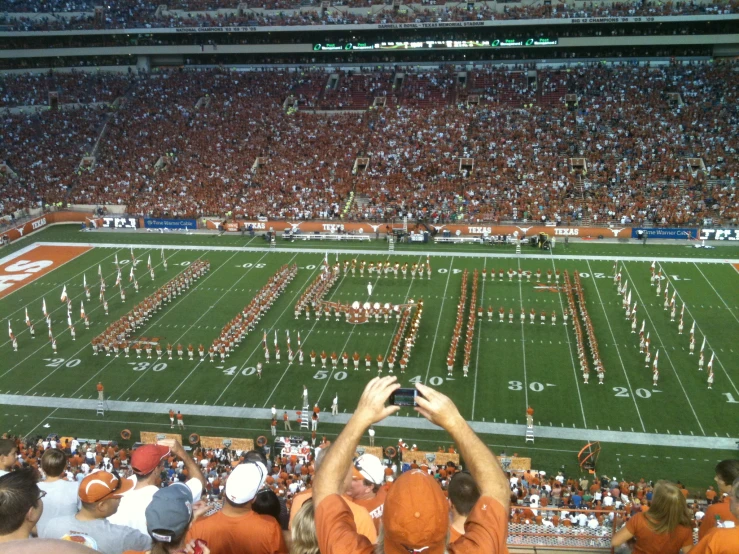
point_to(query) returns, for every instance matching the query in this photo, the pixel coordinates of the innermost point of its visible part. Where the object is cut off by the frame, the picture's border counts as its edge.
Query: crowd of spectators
(220, 142)
(111, 498)
(78, 15)
(32, 89)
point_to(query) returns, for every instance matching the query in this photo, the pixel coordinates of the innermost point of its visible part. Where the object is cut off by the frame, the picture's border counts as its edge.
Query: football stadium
(229, 232)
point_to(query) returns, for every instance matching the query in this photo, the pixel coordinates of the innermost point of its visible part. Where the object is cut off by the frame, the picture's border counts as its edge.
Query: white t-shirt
(3, 472)
(371, 432)
(61, 500)
(131, 511)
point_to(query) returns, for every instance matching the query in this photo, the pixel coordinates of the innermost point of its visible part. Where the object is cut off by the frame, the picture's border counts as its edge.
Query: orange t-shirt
(251, 532)
(710, 495)
(649, 542)
(454, 534)
(718, 541)
(374, 506)
(362, 519)
(719, 509)
(337, 534)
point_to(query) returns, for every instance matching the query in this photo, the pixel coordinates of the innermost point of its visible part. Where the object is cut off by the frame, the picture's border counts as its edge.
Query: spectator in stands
(237, 527)
(665, 528)
(100, 494)
(8, 455)
(416, 513)
(727, 471)
(304, 540)
(362, 519)
(20, 505)
(147, 464)
(61, 495)
(169, 516)
(726, 540)
(366, 488)
(463, 495)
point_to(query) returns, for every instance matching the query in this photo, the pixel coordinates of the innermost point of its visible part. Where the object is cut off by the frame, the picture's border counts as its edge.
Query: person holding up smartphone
(416, 513)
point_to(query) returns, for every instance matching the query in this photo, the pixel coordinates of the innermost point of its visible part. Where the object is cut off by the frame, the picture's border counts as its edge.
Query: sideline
(407, 422)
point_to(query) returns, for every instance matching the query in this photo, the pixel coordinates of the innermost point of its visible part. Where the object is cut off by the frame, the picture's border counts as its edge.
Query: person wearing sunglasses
(100, 494)
(20, 505)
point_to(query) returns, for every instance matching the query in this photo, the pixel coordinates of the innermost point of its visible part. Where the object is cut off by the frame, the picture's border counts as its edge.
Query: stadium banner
(719, 234)
(160, 223)
(652, 233)
(481, 229)
(119, 222)
(40, 222)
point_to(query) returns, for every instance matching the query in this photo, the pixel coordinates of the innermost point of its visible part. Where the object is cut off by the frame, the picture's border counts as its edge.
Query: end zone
(27, 265)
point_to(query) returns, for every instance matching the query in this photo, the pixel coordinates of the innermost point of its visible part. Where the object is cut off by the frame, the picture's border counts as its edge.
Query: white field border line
(316, 320)
(441, 310)
(270, 329)
(181, 298)
(717, 294)
(25, 328)
(664, 346)
(523, 342)
(86, 345)
(331, 373)
(397, 322)
(347, 251)
(569, 348)
(45, 342)
(479, 340)
(261, 430)
(18, 253)
(615, 343)
(487, 428)
(674, 288)
(182, 382)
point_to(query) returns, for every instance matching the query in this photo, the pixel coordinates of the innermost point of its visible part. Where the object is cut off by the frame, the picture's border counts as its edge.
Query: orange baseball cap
(102, 485)
(416, 515)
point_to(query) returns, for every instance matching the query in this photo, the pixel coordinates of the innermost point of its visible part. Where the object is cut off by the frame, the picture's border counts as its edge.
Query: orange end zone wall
(42, 221)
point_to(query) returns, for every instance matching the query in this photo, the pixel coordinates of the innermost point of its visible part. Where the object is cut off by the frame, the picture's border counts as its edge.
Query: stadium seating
(76, 15)
(658, 142)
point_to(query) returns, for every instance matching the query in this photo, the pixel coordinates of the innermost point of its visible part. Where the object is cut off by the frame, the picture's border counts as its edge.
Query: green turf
(512, 365)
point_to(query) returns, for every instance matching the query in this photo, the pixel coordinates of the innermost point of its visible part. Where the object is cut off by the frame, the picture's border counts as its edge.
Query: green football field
(678, 429)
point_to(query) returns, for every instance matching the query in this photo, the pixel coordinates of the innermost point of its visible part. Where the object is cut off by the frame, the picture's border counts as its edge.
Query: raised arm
(371, 409)
(478, 458)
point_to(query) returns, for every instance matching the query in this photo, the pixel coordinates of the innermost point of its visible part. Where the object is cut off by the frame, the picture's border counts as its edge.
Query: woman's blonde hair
(668, 509)
(304, 530)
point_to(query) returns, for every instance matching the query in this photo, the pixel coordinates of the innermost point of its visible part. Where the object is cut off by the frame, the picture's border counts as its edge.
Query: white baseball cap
(370, 467)
(245, 481)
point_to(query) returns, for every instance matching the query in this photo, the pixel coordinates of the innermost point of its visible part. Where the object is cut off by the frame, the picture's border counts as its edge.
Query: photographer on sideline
(416, 513)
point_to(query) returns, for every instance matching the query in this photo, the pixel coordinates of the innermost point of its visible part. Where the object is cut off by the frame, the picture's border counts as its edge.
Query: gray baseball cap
(169, 513)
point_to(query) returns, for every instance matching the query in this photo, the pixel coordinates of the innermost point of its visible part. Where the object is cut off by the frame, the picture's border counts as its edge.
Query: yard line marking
(667, 352)
(328, 379)
(523, 342)
(28, 303)
(45, 344)
(569, 347)
(717, 294)
(77, 353)
(259, 343)
(674, 288)
(615, 343)
(316, 320)
(441, 309)
(479, 338)
(208, 310)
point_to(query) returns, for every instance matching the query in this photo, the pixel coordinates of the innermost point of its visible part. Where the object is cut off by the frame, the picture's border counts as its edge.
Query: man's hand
(371, 407)
(437, 408)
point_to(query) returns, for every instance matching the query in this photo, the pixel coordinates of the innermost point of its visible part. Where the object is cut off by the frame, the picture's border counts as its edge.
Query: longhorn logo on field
(438, 228)
(523, 229)
(293, 226)
(374, 227)
(615, 231)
